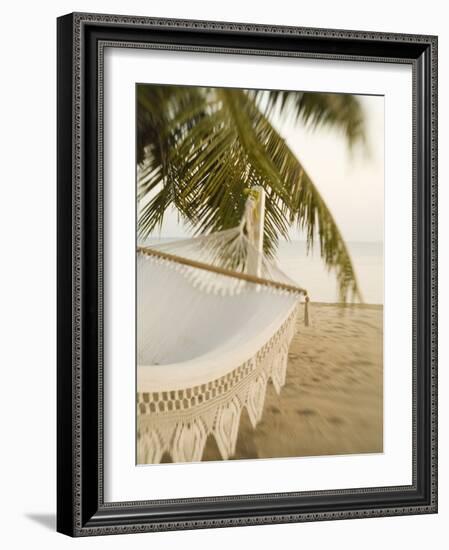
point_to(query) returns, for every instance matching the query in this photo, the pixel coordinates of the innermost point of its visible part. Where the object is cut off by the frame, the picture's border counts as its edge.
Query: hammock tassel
(306, 310)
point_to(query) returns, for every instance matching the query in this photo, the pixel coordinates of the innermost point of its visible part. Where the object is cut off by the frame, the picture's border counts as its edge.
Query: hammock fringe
(179, 423)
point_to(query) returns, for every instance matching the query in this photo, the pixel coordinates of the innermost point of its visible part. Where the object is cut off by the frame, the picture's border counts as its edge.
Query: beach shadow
(46, 520)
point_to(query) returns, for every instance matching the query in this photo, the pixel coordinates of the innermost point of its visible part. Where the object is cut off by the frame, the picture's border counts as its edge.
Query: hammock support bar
(220, 270)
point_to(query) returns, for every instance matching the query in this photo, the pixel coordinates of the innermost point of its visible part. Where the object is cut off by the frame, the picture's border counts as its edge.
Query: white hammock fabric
(211, 334)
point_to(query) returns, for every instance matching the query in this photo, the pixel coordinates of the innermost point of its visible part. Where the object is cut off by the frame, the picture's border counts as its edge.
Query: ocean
(309, 271)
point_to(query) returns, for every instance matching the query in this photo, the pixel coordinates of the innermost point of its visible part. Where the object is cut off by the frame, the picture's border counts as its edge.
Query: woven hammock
(215, 320)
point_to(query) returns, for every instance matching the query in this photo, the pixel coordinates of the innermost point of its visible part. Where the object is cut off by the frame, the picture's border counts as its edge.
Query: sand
(332, 401)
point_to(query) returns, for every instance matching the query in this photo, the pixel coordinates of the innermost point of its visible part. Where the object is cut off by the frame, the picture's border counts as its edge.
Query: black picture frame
(81, 509)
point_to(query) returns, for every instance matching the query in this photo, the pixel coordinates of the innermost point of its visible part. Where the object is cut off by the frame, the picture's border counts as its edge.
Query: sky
(350, 181)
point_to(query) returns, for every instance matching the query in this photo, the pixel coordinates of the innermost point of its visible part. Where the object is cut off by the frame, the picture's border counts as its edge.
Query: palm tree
(200, 149)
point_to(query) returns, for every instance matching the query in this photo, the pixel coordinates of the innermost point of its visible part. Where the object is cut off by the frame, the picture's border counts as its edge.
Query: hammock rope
(147, 251)
(215, 319)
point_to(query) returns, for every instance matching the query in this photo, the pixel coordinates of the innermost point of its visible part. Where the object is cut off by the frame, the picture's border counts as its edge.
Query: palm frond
(299, 200)
(202, 148)
(343, 112)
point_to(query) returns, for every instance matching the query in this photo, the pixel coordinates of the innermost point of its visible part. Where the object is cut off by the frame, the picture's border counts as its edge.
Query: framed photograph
(247, 274)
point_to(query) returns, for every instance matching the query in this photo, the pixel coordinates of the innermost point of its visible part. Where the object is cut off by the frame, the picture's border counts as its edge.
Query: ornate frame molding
(81, 42)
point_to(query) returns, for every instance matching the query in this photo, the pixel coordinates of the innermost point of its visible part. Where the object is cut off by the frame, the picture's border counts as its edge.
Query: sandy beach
(332, 401)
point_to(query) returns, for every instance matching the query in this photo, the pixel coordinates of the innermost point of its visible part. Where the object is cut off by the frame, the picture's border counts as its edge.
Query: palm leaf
(206, 146)
(342, 112)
